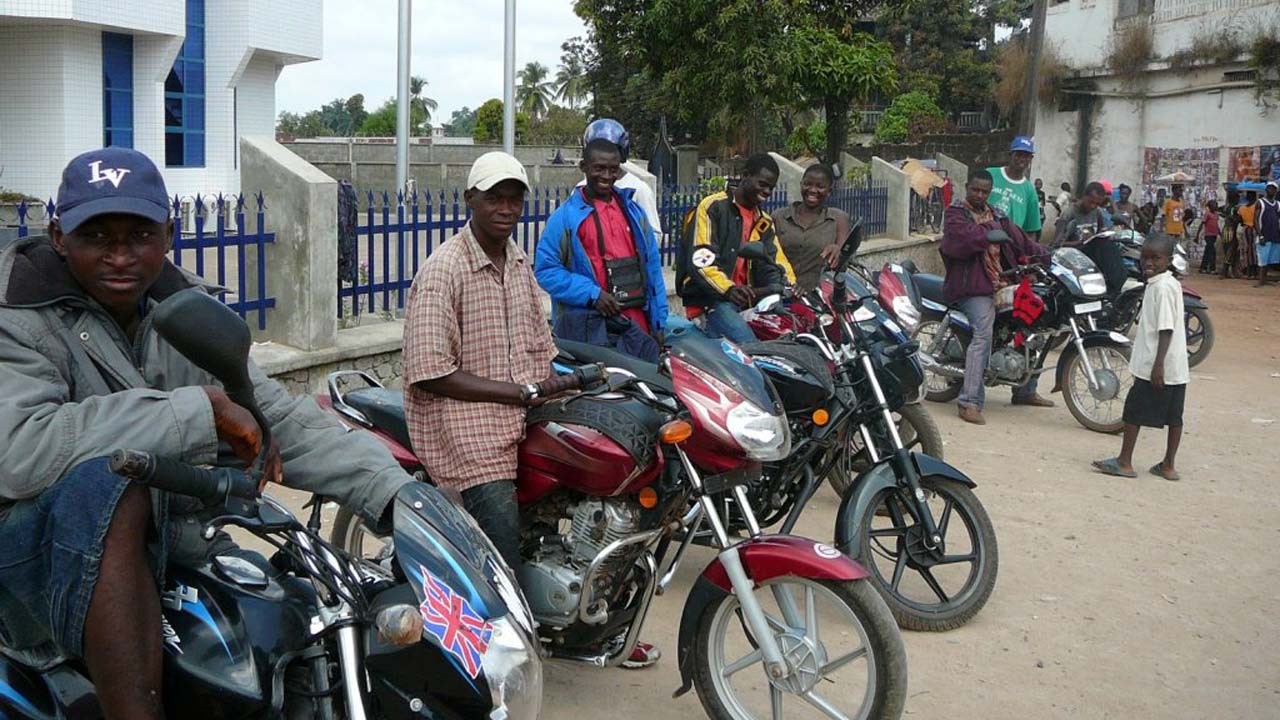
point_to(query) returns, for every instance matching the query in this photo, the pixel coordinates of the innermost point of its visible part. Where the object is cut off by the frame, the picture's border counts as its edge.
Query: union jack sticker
(450, 619)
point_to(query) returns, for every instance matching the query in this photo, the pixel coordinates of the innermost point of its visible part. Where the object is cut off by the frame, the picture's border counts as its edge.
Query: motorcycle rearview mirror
(210, 335)
(852, 242)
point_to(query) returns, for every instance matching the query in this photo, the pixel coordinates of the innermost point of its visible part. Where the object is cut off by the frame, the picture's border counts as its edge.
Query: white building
(1197, 115)
(180, 80)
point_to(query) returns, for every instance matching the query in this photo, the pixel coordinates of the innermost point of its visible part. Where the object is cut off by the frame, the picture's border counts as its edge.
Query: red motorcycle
(614, 476)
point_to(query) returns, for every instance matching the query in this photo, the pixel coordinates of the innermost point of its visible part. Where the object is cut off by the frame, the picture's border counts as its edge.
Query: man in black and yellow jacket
(710, 277)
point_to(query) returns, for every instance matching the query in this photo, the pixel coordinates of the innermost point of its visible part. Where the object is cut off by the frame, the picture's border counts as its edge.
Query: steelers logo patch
(703, 257)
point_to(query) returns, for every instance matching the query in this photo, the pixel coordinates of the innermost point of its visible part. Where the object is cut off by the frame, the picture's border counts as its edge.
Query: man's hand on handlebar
(741, 295)
(582, 378)
(236, 427)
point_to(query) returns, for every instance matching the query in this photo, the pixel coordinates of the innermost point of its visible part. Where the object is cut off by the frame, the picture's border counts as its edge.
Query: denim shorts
(50, 552)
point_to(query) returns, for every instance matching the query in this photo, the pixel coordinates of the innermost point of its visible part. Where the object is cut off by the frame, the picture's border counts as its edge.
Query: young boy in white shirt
(1158, 363)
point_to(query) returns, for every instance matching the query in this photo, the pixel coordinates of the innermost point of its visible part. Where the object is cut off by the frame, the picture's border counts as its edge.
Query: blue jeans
(981, 311)
(723, 321)
(50, 552)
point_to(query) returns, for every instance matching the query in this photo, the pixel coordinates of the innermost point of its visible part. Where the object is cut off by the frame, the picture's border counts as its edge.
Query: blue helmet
(611, 130)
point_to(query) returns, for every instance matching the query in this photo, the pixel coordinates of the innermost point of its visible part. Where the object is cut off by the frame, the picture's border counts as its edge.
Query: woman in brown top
(809, 230)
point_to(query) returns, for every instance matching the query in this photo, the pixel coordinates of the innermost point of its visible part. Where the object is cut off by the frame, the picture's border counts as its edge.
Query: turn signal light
(676, 431)
(821, 417)
(399, 625)
(648, 498)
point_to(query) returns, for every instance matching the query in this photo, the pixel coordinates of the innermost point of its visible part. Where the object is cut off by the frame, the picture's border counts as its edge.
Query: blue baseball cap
(111, 180)
(1022, 143)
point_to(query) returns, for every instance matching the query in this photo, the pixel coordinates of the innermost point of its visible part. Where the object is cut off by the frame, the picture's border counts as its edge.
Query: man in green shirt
(1011, 190)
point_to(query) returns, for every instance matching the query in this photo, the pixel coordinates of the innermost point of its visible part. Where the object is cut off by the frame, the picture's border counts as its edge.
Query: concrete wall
(789, 177)
(303, 214)
(957, 171)
(898, 225)
(977, 150)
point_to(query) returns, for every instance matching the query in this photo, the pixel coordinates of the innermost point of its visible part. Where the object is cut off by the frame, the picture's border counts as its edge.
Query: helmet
(611, 130)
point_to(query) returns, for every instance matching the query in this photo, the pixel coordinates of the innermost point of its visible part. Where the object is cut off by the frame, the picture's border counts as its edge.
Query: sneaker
(642, 657)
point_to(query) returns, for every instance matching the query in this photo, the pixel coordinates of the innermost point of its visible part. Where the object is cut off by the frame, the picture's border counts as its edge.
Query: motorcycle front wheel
(350, 534)
(840, 638)
(1099, 408)
(930, 589)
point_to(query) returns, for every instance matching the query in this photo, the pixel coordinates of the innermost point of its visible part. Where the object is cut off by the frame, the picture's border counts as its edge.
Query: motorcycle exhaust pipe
(946, 370)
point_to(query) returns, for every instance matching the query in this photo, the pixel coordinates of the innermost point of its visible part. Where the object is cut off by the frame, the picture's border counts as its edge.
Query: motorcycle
(1123, 312)
(1092, 371)
(611, 477)
(313, 633)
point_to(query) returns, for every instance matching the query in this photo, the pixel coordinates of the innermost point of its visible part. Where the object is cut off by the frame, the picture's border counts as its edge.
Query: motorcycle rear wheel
(816, 638)
(937, 388)
(891, 545)
(1199, 335)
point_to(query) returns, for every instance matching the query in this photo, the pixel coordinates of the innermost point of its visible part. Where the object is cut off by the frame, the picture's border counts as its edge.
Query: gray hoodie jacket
(74, 387)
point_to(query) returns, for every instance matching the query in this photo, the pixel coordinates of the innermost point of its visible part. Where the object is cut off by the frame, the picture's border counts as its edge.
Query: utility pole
(402, 95)
(1031, 86)
(509, 78)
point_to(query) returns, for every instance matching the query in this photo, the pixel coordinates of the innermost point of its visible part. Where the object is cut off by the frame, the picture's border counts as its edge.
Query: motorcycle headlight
(1093, 284)
(764, 437)
(513, 669)
(907, 312)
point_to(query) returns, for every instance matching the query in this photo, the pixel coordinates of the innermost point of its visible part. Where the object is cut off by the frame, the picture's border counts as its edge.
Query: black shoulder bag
(624, 277)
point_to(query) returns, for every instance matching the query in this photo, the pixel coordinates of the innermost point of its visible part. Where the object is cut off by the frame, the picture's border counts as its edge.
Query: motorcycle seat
(586, 353)
(930, 287)
(384, 409)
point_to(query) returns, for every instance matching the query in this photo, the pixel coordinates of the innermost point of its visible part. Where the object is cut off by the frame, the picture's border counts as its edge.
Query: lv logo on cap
(111, 175)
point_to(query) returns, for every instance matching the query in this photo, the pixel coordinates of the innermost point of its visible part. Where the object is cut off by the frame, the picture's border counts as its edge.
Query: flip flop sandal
(1159, 472)
(1111, 466)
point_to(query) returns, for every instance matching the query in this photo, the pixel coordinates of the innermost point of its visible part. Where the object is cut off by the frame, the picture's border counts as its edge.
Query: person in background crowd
(1145, 218)
(1081, 219)
(809, 230)
(1211, 228)
(598, 259)
(1125, 204)
(1106, 208)
(1248, 211)
(973, 275)
(1228, 242)
(1266, 220)
(1041, 198)
(710, 277)
(1173, 207)
(1012, 192)
(1063, 199)
(613, 131)
(1158, 364)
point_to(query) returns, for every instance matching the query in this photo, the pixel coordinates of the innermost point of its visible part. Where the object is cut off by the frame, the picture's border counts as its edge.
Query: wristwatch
(528, 393)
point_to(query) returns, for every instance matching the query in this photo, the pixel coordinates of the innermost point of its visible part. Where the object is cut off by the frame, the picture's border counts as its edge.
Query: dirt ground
(1116, 598)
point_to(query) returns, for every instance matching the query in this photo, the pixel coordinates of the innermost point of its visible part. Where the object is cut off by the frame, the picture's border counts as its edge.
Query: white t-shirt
(1161, 310)
(644, 197)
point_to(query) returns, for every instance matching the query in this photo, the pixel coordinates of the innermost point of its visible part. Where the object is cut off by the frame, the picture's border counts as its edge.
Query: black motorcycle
(1093, 369)
(441, 633)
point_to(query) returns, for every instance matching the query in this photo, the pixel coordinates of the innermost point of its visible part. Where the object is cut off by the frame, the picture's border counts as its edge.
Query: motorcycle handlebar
(581, 378)
(211, 485)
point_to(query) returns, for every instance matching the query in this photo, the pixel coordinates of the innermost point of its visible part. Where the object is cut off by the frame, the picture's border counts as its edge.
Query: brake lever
(248, 517)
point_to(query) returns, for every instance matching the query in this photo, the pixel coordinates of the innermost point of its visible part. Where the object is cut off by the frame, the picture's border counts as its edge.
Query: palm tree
(571, 82)
(534, 94)
(420, 104)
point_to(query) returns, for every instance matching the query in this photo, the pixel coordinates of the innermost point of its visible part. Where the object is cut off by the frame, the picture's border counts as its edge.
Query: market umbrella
(1176, 177)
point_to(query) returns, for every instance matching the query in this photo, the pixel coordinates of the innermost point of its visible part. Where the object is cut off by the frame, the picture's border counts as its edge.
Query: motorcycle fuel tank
(599, 445)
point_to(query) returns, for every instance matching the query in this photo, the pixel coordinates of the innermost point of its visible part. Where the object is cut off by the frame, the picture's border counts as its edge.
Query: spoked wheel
(845, 655)
(1099, 408)
(930, 589)
(914, 423)
(1199, 335)
(939, 388)
(350, 534)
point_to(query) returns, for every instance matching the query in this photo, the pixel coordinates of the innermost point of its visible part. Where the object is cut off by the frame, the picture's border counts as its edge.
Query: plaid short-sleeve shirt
(464, 315)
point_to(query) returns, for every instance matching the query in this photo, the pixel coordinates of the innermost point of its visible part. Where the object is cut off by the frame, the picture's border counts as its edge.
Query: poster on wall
(1251, 164)
(1201, 163)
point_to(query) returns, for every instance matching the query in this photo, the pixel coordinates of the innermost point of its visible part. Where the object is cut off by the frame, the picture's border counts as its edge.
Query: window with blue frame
(184, 96)
(117, 90)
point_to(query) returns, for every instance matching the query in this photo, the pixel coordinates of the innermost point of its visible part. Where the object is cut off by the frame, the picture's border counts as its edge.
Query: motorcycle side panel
(1101, 337)
(579, 457)
(881, 476)
(27, 695)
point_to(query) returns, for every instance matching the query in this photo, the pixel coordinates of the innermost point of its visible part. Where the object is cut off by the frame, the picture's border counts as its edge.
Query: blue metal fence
(204, 250)
(863, 198)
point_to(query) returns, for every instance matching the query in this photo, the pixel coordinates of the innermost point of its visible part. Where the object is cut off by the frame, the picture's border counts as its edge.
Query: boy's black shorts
(1148, 407)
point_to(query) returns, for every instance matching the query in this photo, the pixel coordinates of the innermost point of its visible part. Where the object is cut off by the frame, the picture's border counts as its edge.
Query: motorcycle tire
(351, 536)
(914, 423)
(1074, 404)
(875, 628)
(956, 609)
(937, 388)
(1198, 351)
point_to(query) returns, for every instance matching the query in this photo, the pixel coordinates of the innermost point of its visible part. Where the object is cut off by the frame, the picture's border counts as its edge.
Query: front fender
(1192, 300)
(853, 506)
(763, 558)
(1092, 339)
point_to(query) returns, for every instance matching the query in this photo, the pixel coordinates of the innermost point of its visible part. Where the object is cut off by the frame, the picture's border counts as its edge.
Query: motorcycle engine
(552, 579)
(1007, 364)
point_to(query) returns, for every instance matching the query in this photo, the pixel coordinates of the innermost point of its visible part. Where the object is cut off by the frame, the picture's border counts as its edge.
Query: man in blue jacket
(599, 252)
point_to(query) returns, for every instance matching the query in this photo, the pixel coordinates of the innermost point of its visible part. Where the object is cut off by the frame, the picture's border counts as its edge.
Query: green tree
(382, 122)
(488, 129)
(307, 125)
(838, 72)
(461, 123)
(533, 94)
(356, 111)
(560, 126)
(420, 104)
(572, 84)
(909, 114)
